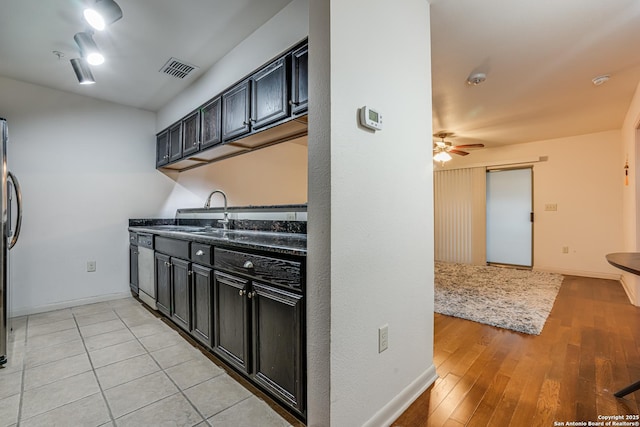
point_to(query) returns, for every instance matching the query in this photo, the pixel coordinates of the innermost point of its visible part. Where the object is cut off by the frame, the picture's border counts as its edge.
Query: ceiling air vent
(177, 68)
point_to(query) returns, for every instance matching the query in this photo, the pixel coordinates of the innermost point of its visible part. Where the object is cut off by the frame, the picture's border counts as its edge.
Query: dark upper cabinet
(163, 283)
(180, 293)
(191, 133)
(299, 80)
(210, 123)
(278, 337)
(231, 319)
(235, 111)
(162, 148)
(269, 94)
(201, 314)
(175, 142)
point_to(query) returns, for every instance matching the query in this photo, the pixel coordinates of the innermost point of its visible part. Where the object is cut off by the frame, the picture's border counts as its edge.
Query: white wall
(376, 268)
(584, 177)
(85, 167)
(285, 29)
(274, 175)
(630, 211)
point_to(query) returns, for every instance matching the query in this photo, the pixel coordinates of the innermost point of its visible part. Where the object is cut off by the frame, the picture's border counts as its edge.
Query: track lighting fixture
(102, 13)
(82, 70)
(88, 48)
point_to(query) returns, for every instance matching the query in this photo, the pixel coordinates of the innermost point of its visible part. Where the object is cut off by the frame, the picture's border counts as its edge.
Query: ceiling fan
(442, 148)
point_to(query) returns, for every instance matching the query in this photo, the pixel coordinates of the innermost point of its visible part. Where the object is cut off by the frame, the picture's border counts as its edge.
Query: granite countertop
(285, 243)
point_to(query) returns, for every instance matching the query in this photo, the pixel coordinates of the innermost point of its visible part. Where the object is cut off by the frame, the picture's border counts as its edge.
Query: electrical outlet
(383, 338)
(565, 249)
(91, 266)
(551, 207)
(291, 216)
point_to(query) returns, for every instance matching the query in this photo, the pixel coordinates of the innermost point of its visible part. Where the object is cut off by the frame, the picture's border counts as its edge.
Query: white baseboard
(629, 290)
(581, 273)
(25, 311)
(392, 410)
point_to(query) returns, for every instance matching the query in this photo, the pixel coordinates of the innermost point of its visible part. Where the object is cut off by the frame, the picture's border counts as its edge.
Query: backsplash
(278, 219)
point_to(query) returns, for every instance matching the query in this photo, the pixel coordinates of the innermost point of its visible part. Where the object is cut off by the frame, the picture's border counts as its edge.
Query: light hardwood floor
(588, 349)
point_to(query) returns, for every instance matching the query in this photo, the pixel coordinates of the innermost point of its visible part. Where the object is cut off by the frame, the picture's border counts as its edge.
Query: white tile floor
(116, 364)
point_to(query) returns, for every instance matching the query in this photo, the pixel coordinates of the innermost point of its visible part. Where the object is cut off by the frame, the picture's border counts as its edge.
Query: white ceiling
(198, 32)
(539, 57)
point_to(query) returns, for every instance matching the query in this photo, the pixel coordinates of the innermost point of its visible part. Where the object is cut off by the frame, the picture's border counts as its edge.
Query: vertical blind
(460, 215)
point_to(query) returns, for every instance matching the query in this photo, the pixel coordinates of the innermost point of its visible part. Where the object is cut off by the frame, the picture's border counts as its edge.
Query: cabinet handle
(293, 103)
(242, 292)
(166, 157)
(168, 264)
(252, 120)
(200, 252)
(189, 273)
(251, 294)
(247, 123)
(248, 264)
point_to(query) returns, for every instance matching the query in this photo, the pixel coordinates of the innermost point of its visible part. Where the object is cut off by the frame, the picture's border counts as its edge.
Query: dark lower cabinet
(202, 283)
(163, 283)
(277, 343)
(133, 268)
(259, 329)
(231, 337)
(248, 308)
(180, 293)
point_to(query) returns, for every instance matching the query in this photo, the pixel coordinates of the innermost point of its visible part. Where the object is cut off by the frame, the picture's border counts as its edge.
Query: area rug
(520, 300)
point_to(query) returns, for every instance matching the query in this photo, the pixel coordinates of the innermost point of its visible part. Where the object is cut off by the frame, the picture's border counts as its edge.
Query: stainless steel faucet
(225, 220)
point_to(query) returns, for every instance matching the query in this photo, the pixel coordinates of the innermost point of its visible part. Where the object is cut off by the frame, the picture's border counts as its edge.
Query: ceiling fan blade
(458, 152)
(468, 146)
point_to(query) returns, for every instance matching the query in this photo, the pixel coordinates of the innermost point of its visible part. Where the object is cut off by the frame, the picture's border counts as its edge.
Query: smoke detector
(476, 78)
(598, 80)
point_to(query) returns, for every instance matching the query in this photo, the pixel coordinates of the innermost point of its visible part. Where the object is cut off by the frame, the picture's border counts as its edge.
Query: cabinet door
(202, 281)
(299, 80)
(163, 283)
(269, 94)
(180, 295)
(235, 111)
(231, 337)
(175, 142)
(133, 268)
(278, 353)
(162, 148)
(210, 116)
(190, 133)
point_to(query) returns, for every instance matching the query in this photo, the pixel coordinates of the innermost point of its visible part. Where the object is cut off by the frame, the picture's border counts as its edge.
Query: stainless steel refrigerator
(9, 236)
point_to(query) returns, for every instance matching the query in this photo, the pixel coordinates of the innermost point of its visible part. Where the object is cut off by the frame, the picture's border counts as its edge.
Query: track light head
(102, 13)
(88, 48)
(82, 70)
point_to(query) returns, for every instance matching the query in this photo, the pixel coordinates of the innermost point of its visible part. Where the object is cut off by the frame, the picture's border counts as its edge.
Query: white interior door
(509, 222)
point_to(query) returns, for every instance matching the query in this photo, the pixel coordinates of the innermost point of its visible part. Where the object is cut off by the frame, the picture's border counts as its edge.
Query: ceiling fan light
(103, 13)
(88, 48)
(83, 72)
(442, 157)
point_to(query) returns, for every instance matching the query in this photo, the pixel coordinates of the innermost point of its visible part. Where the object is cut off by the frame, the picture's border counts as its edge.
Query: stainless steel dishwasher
(146, 270)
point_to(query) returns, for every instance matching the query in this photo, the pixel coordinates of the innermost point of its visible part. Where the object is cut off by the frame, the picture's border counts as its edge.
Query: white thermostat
(370, 118)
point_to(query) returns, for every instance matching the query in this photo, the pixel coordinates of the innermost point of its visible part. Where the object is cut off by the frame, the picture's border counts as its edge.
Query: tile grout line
(167, 375)
(24, 368)
(104, 398)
